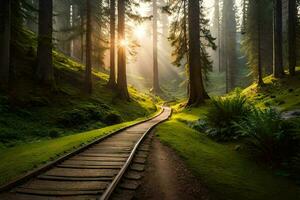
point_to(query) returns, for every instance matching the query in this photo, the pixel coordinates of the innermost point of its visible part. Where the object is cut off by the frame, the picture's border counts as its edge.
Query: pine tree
(196, 86)
(122, 79)
(88, 70)
(277, 31)
(112, 72)
(5, 33)
(44, 50)
(292, 24)
(229, 43)
(156, 87)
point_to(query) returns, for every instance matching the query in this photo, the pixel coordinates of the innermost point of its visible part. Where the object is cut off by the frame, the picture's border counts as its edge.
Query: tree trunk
(259, 65)
(122, 80)
(44, 49)
(88, 70)
(156, 88)
(292, 24)
(196, 87)
(112, 72)
(277, 49)
(5, 30)
(82, 35)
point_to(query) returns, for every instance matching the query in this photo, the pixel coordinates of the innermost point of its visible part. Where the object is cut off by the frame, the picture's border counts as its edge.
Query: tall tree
(5, 31)
(277, 31)
(292, 24)
(112, 72)
(216, 32)
(155, 84)
(44, 50)
(258, 21)
(196, 86)
(229, 43)
(122, 79)
(88, 70)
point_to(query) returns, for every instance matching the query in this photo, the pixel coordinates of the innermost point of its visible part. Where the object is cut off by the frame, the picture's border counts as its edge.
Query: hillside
(283, 94)
(30, 112)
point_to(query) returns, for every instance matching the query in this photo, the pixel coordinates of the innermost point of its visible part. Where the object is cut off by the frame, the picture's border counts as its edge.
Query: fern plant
(271, 137)
(224, 113)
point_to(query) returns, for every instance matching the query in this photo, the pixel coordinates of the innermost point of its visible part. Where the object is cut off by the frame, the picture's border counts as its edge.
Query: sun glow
(143, 9)
(124, 43)
(140, 32)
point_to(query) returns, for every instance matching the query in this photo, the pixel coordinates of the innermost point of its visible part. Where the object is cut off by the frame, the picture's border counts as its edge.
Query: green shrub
(223, 114)
(72, 118)
(112, 118)
(273, 139)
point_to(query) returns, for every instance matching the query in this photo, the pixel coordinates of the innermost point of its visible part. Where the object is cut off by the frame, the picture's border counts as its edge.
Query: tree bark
(122, 79)
(5, 30)
(44, 49)
(156, 88)
(112, 72)
(82, 35)
(259, 65)
(88, 70)
(292, 24)
(277, 49)
(196, 87)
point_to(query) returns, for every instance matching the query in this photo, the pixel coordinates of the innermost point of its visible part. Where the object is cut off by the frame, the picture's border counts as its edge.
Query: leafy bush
(112, 118)
(223, 114)
(271, 137)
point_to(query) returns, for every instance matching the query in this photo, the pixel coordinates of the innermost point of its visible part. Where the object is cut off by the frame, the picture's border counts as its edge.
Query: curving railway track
(91, 172)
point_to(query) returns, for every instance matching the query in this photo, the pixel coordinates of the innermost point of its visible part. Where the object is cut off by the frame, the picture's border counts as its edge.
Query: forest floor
(229, 172)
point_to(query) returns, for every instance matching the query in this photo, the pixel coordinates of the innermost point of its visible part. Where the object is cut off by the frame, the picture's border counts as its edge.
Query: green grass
(22, 158)
(228, 174)
(283, 94)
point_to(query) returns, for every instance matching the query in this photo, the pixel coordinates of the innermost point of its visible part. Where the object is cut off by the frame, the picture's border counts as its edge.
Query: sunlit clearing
(124, 43)
(140, 32)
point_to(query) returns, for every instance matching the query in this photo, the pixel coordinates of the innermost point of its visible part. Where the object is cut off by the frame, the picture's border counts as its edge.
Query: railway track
(91, 172)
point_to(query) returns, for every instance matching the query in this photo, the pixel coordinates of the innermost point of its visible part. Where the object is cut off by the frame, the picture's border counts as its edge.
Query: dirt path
(167, 178)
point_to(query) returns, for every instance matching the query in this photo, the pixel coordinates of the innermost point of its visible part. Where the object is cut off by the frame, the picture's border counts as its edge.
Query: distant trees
(5, 33)
(257, 40)
(44, 50)
(229, 56)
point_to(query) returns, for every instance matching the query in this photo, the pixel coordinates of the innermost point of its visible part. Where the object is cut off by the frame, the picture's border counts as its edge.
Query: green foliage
(272, 138)
(223, 114)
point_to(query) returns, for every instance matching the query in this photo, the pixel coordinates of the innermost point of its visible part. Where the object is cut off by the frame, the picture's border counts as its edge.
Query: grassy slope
(33, 126)
(230, 174)
(283, 94)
